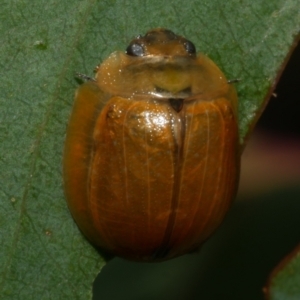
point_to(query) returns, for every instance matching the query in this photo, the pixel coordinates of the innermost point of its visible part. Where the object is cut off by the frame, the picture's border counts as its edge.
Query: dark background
(262, 227)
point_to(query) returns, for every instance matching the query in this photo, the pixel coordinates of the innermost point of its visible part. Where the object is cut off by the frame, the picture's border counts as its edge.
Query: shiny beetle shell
(151, 160)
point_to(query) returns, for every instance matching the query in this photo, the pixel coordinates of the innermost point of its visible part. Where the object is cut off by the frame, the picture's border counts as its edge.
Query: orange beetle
(151, 160)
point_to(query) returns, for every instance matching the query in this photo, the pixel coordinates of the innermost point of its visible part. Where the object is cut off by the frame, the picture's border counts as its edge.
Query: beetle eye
(135, 50)
(190, 47)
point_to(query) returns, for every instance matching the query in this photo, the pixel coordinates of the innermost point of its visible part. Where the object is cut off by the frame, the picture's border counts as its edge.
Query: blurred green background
(262, 227)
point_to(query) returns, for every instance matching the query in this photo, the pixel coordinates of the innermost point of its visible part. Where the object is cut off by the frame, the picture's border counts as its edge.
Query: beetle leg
(84, 77)
(236, 80)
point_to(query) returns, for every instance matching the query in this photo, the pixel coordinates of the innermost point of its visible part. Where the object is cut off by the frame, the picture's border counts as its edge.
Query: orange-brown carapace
(151, 161)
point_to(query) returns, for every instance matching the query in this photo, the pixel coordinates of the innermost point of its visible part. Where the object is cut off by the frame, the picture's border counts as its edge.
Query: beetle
(151, 160)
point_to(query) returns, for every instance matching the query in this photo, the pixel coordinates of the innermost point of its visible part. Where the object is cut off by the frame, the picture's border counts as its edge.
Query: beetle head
(161, 42)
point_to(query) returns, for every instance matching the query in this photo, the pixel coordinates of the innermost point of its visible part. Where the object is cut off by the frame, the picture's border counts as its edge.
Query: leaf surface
(43, 254)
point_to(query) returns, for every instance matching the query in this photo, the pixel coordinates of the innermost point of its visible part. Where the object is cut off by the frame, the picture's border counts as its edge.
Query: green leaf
(284, 281)
(43, 43)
